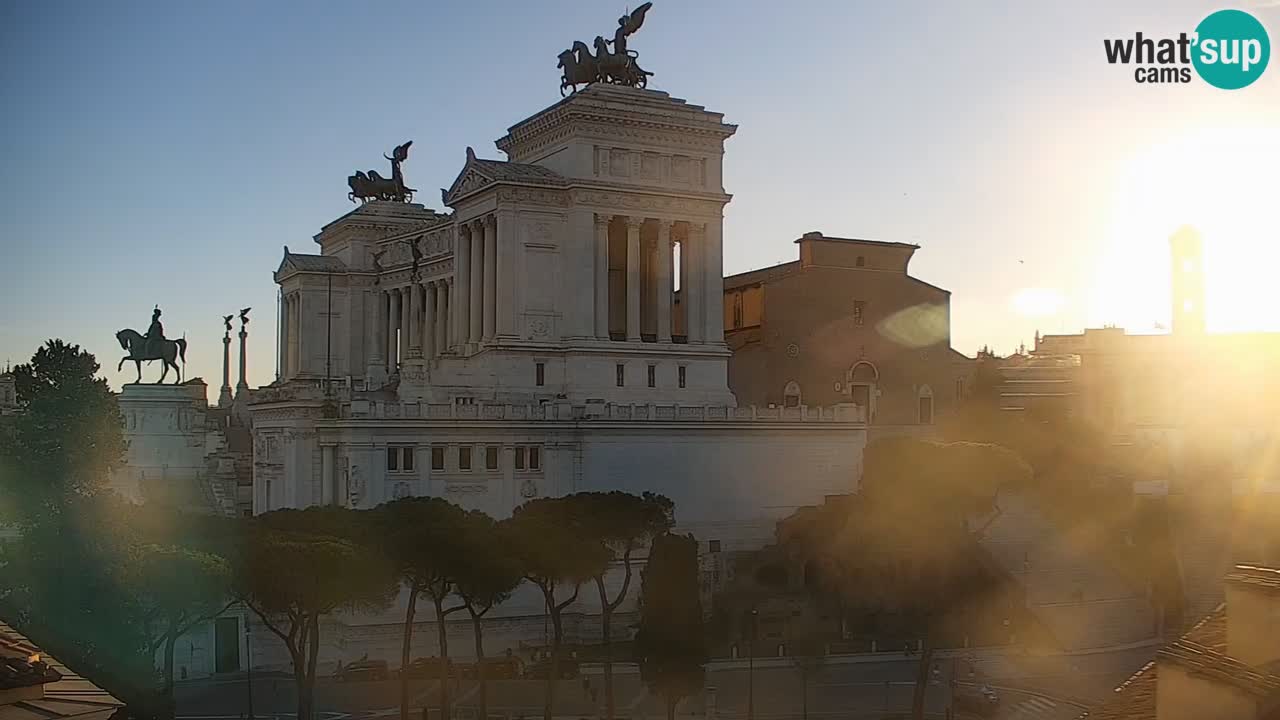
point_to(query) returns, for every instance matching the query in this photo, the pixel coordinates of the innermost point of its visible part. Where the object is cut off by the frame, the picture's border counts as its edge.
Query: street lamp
(248, 664)
(751, 666)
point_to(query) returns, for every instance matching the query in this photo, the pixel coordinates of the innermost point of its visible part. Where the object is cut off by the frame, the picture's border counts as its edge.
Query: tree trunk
(405, 649)
(300, 682)
(671, 708)
(313, 651)
(553, 666)
(170, 640)
(480, 669)
(606, 635)
(922, 676)
(443, 634)
(804, 693)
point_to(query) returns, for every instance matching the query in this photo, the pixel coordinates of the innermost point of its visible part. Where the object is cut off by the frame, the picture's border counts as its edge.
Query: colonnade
(413, 321)
(635, 280)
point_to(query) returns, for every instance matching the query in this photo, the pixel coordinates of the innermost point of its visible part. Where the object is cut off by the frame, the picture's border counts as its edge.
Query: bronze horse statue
(372, 186)
(167, 351)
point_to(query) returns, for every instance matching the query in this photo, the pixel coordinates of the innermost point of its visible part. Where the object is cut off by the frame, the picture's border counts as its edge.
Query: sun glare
(1221, 182)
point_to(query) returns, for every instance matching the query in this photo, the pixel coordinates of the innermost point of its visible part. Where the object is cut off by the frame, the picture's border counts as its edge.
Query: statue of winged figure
(617, 66)
(372, 186)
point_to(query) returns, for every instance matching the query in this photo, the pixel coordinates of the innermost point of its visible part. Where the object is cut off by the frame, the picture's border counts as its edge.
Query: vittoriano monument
(618, 67)
(152, 346)
(373, 186)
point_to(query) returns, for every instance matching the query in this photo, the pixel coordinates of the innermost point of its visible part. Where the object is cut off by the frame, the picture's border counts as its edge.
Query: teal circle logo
(1231, 49)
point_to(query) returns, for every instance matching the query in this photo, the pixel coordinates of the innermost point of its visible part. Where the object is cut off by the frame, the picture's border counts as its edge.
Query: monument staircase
(1081, 600)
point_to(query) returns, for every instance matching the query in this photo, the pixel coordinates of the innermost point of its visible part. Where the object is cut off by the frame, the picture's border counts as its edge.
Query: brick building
(844, 323)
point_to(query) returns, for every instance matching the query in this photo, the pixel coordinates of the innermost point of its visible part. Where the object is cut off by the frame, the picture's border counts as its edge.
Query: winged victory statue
(616, 65)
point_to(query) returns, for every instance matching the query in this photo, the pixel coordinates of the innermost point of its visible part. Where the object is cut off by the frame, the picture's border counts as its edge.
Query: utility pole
(751, 667)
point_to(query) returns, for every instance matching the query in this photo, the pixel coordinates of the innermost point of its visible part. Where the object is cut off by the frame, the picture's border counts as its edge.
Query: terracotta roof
(1135, 698)
(65, 696)
(21, 665)
(1259, 578)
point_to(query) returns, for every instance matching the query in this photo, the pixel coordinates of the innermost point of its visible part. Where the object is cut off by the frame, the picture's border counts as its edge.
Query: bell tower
(1187, 281)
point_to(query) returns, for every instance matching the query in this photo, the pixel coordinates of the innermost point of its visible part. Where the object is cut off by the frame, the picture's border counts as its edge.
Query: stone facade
(532, 343)
(181, 452)
(845, 323)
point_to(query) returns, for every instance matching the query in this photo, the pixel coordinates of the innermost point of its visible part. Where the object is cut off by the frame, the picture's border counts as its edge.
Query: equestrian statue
(372, 186)
(153, 346)
(617, 66)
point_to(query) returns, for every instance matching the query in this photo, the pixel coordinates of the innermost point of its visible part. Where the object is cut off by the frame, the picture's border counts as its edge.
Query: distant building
(846, 322)
(8, 393)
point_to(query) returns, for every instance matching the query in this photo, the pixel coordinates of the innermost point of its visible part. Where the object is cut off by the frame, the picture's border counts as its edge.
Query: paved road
(1032, 688)
(851, 688)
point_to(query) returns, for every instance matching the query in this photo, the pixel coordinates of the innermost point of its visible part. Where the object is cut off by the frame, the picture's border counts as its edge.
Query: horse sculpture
(617, 66)
(372, 186)
(167, 351)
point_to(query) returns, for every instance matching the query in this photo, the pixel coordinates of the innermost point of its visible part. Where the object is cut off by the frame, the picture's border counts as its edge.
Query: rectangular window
(437, 458)
(621, 371)
(714, 546)
(859, 306)
(464, 458)
(535, 458)
(491, 458)
(407, 463)
(520, 458)
(653, 376)
(540, 374)
(680, 375)
(393, 459)
(959, 388)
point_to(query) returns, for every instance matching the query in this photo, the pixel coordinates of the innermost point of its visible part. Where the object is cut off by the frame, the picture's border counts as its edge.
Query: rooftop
(816, 235)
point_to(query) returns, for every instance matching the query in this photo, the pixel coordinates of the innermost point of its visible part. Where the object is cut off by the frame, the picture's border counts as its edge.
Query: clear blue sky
(162, 152)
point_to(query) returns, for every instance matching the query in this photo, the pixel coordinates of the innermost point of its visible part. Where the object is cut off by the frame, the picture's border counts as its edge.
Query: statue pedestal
(165, 426)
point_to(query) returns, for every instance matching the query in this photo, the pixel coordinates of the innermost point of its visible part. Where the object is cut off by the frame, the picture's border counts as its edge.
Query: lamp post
(751, 666)
(248, 665)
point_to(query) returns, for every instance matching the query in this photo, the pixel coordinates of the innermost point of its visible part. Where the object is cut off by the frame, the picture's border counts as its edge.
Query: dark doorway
(226, 644)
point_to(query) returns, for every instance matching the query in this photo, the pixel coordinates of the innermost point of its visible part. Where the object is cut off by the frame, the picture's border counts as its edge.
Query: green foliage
(67, 436)
(670, 645)
(491, 571)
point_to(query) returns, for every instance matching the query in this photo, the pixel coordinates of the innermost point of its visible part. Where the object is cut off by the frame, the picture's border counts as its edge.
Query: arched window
(791, 395)
(925, 399)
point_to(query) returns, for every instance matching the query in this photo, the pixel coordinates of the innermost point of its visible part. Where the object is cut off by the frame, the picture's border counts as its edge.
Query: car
(981, 701)
(363, 670)
(432, 668)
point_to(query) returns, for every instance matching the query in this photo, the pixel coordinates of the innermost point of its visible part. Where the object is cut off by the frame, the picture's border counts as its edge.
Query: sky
(164, 153)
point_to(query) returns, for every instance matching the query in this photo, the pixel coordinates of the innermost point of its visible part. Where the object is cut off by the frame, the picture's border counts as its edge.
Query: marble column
(633, 278)
(295, 335)
(490, 277)
(444, 323)
(326, 475)
(283, 349)
(713, 277)
(462, 286)
(406, 322)
(693, 292)
(429, 322)
(373, 326)
(393, 317)
(475, 298)
(414, 328)
(664, 287)
(243, 383)
(602, 276)
(224, 396)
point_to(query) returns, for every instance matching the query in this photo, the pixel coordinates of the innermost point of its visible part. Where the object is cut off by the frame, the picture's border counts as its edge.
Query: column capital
(602, 219)
(489, 220)
(633, 221)
(665, 225)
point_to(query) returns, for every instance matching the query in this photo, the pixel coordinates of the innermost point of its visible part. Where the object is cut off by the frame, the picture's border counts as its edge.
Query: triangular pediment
(468, 181)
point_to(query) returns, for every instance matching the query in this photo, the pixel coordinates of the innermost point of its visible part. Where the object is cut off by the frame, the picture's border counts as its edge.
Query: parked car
(982, 701)
(495, 668)
(362, 670)
(432, 668)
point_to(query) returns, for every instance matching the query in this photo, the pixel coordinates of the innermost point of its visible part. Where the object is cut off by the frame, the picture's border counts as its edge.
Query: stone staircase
(1076, 595)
